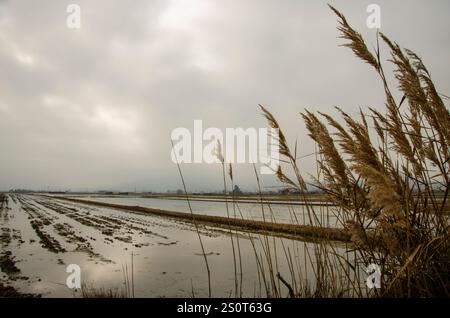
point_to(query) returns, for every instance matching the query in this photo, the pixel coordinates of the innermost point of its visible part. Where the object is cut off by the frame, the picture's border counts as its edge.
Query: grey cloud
(94, 108)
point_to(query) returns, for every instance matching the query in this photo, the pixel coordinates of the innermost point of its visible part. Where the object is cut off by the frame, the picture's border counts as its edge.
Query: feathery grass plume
(283, 146)
(409, 84)
(355, 191)
(358, 46)
(320, 134)
(358, 145)
(408, 79)
(440, 115)
(365, 162)
(423, 100)
(284, 150)
(382, 191)
(378, 128)
(356, 42)
(338, 179)
(285, 179)
(218, 152)
(416, 133)
(345, 140)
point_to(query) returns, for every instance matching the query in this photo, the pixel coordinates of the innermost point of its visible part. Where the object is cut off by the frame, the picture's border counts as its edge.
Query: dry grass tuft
(92, 292)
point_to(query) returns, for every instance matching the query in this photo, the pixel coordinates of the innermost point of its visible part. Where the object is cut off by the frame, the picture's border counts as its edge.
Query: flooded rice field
(280, 213)
(40, 236)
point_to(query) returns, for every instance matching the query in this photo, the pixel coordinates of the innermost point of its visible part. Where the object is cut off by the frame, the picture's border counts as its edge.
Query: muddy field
(278, 211)
(40, 236)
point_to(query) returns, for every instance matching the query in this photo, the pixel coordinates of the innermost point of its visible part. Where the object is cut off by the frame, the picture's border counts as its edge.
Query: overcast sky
(93, 108)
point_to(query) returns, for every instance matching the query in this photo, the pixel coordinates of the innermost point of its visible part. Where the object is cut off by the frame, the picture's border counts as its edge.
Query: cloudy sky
(93, 108)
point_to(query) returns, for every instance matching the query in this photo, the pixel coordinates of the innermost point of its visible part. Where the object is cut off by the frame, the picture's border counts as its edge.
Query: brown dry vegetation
(389, 175)
(88, 291)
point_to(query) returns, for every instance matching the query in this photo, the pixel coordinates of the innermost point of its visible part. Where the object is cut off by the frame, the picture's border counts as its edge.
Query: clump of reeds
(391, 190)
(88, 291)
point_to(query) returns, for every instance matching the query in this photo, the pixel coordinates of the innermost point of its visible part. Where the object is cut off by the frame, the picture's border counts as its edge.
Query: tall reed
(391, 190)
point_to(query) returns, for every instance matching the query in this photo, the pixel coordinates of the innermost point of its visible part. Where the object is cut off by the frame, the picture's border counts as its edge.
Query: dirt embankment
(289, 230)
